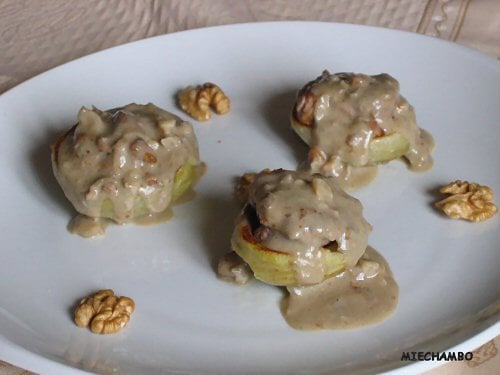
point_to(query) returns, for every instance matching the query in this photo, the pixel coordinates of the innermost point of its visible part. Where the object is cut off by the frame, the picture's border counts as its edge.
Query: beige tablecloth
(38, 35)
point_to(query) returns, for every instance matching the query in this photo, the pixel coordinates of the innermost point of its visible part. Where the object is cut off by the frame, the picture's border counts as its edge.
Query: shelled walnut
(469, 201)
(197, 101)
(104, 312)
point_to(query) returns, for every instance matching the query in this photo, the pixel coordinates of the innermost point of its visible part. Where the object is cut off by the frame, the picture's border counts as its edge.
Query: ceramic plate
(187, 320)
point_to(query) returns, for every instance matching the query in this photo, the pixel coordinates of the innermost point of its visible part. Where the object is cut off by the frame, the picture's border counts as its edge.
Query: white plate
(188, 321)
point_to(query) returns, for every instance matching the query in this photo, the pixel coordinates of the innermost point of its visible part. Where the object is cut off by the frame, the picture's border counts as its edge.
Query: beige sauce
(88, 227)
(348, 108)
(305, 213)
(362, 295)
(121, 164)
(302, 214)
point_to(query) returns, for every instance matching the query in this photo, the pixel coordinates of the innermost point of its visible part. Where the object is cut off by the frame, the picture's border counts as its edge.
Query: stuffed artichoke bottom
(353, 122)
(127, 164)
(299, 228)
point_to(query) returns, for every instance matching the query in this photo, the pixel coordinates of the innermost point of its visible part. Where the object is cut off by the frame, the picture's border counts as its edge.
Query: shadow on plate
(40, 163)
(276, 110)
(217, 215)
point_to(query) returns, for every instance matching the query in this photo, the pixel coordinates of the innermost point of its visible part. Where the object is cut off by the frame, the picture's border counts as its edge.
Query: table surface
(38, 35)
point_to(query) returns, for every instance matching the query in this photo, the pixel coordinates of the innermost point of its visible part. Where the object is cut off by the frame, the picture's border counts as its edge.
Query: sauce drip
(88, 227)
(362, 295)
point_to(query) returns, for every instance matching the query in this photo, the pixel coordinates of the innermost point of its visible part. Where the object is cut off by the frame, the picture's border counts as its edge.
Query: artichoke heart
(388, 147)
(353, 122)
(381, 149)
(272, 266)
(304, 132)
(185, 178)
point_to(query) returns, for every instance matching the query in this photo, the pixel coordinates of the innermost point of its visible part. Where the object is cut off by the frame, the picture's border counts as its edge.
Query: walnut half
(104, 312)
(469, 201)
(197, 101)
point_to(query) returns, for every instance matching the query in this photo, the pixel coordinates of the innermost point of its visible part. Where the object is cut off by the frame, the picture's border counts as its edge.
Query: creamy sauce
(88, 227)
(298, 213)
(349, 108)
(362, 295)
(305, 213)
(121, 164)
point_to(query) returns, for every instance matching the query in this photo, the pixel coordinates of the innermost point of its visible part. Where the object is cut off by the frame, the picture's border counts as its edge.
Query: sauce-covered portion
(121, 164)
(347, 112)
(361, 295)
(304, 213)
(306, 219)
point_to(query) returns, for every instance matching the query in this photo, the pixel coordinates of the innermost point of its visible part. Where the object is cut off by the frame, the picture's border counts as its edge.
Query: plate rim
(25, 357)
(450, 44)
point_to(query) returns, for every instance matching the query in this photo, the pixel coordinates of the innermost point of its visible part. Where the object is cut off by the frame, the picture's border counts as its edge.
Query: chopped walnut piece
(234, 269)
(321, 189)
(242, 186)
(197, 101)
(305, 107)
(104, 312)
(149, 158)
(377, 131)
(261, 233)
(316, 157)
(469, 201)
